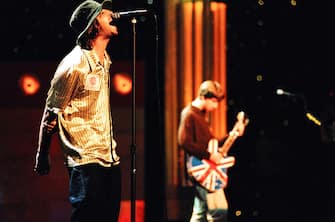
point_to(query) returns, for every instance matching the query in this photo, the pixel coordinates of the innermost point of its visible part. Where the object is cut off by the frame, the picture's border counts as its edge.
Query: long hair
(86, 39)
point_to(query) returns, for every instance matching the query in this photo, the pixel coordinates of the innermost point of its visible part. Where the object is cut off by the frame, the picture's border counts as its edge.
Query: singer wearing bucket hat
(77, 108)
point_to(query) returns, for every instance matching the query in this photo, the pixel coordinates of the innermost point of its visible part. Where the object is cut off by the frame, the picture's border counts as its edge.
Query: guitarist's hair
(211, 89)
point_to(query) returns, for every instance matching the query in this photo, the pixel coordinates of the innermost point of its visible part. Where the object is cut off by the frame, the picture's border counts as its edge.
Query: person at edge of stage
(78, 109)
(194, 134)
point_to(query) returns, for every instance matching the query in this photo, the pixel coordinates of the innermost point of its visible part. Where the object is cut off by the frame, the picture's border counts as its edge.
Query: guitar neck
(234, 133)
(228, 142)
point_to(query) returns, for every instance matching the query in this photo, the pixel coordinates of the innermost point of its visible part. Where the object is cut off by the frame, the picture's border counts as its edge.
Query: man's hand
(241, 123)
(47, 129)
(51, 127)
(42, 164)
(239, 128)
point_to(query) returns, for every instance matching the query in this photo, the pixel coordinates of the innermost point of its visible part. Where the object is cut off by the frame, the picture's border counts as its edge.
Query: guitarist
(193, 136)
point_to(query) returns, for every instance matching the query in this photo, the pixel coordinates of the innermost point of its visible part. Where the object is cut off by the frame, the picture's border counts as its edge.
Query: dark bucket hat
(84, 15)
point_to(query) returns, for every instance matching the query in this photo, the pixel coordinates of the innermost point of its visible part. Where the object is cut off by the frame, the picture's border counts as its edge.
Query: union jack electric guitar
(210, 175)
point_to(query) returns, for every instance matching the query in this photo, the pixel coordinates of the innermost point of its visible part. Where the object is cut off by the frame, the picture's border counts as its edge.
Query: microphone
(138, 12)
(282, 92)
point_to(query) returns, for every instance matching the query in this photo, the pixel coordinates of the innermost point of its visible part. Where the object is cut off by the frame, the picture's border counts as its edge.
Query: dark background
(284, 170)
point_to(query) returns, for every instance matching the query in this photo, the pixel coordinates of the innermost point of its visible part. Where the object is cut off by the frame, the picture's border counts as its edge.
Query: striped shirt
(80, 91)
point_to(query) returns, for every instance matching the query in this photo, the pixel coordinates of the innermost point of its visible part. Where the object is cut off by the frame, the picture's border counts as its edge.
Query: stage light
(259, 78)
(122, 83)
(238, 213)
(260, 2)
(29, 84)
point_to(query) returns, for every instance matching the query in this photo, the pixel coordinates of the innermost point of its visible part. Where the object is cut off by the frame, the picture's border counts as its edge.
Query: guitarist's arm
(193, 137)
(201, 152)
(196, 148)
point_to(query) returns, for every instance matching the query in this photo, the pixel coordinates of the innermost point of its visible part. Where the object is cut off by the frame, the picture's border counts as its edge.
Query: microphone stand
(133, 134)
(301, 96)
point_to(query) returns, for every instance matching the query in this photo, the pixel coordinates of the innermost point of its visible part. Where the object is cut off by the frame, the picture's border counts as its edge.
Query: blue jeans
(95, 193)
(209, 206)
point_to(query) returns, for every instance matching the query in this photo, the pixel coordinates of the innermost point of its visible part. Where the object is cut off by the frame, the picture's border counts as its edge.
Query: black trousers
(95, 193)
